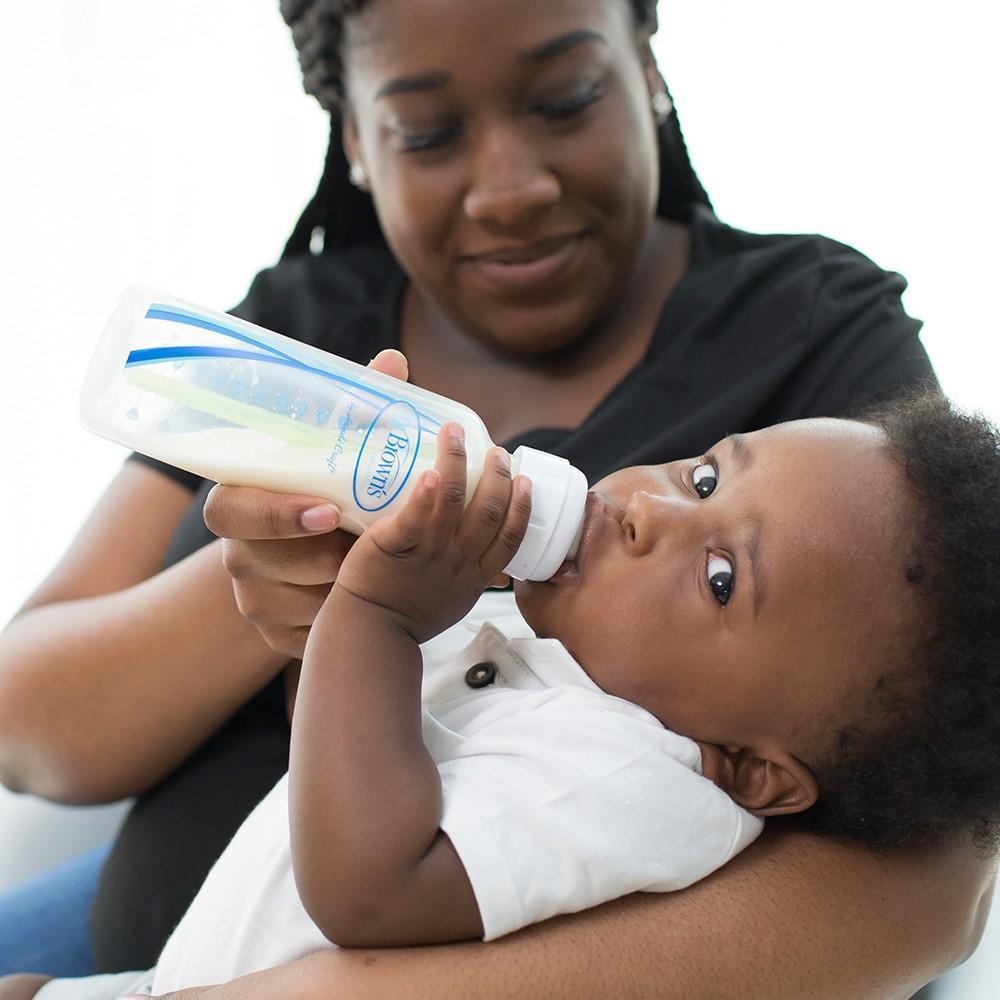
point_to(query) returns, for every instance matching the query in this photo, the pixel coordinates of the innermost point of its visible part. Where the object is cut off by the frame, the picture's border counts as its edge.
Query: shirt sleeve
(576, 800)
(860, 345)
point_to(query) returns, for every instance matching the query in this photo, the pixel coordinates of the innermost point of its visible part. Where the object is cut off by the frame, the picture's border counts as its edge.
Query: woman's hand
(282, 550)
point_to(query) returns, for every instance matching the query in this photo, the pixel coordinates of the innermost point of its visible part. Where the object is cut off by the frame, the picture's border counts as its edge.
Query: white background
(171, 143)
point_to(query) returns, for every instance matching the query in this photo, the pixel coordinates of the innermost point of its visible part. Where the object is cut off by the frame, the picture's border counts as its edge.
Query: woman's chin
(546, 330)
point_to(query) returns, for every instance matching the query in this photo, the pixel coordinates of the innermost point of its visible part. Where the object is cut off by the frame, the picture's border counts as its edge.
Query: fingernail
(457, 433)
(503, 459)
(323, 517)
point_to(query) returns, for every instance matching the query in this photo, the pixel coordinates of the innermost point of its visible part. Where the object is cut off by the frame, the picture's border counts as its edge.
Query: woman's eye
(705, 478)
(416, 142)
(720, 578)
(571, 106)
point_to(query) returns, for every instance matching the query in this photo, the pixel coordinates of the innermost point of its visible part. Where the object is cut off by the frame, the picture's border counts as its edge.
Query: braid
(318, 32)
(347, 216)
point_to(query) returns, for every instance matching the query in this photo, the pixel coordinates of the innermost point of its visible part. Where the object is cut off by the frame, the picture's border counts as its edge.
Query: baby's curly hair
(318, 32)
(924, 764)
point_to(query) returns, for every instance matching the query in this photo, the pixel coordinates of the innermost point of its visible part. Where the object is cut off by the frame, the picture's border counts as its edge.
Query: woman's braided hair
(318, 32)
(347, 215)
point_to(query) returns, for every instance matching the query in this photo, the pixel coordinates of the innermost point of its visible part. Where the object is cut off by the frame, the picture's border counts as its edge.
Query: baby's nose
(652, 517)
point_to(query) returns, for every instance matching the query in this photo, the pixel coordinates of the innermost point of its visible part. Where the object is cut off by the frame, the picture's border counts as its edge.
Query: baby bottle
(240, 405)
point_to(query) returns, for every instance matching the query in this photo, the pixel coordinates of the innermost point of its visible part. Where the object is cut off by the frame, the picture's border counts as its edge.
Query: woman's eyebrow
(539, 53)
(409, 84)
(556, 46)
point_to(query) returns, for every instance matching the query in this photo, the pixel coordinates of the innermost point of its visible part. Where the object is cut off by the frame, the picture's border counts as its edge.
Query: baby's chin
(530, 598)
(523, 598)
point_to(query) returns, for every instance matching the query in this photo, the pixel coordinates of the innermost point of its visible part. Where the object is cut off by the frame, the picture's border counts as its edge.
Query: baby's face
(744, 597)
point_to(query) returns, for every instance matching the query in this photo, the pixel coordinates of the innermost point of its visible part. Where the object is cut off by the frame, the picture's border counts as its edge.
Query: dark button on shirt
(479, 675)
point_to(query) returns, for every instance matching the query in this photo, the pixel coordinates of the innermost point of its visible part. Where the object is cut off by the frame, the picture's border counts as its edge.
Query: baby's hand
(427, 564)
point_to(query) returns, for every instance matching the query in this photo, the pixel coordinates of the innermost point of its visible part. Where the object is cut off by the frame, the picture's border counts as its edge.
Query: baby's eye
(705, 479)
(720, 578)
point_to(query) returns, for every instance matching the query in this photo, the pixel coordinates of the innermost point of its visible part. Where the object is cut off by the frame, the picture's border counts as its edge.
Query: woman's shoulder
(778, 261)
(805, 282)
(330, 299)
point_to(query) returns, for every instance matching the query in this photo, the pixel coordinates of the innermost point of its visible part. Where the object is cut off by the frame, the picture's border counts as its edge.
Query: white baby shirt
(557, 797)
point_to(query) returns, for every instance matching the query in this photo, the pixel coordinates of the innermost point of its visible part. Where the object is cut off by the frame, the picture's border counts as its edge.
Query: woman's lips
(517, 269)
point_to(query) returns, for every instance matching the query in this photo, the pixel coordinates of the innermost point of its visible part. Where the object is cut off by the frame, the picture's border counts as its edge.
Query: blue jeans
(44, 921)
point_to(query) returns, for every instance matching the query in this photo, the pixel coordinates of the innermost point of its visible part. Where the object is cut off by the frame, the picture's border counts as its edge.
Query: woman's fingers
(283, 550)
(283, 614)
(276, 606)
(304, 562)
(391, 362)
(250, 513)
(279, 586)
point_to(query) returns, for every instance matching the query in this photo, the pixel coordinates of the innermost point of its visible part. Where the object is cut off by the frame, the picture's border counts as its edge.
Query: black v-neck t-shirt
(759, 330)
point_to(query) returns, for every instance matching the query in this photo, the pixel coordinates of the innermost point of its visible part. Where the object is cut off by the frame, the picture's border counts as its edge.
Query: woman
(537, 265)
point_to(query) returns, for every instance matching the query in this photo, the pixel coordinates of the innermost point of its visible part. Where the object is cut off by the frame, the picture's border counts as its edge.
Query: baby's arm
(371, 864)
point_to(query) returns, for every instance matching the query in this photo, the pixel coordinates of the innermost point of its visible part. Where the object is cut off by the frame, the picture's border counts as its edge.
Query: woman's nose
(509, 184)
(652, 517)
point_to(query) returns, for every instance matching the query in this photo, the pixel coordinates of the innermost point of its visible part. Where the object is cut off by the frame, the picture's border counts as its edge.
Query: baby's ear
(765, 783)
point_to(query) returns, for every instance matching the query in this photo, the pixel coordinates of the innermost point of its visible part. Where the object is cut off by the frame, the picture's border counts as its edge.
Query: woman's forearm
(792, 918)
(103, 696)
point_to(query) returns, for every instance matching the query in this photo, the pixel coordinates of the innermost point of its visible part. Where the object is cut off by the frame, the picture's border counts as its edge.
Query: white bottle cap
(558, 498)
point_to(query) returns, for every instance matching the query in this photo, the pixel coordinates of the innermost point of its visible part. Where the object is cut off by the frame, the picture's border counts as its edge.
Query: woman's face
(511, 153)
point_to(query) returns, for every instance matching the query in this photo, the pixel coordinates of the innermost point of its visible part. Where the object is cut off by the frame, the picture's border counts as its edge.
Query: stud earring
(662, 106)
(358, 177)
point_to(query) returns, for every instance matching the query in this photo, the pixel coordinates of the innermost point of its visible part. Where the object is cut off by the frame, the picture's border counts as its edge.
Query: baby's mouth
(598, 515)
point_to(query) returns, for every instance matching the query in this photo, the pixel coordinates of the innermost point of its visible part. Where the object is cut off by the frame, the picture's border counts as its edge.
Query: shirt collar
(530, 662)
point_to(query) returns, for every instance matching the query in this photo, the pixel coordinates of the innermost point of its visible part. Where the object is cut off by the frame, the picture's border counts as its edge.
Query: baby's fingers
(488, 507)
(511, 534)
(403, 531)
(451, 467)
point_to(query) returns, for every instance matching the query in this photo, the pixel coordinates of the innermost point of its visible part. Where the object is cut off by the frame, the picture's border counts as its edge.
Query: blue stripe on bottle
(149, 355)
(184, 317)
(157, 355)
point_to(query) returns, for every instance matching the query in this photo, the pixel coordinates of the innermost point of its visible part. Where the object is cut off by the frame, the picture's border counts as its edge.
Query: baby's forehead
(849, 433)
(830, 492)
(810, 455)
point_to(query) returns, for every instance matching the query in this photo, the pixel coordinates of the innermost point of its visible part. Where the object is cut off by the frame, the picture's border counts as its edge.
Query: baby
(796, 625)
